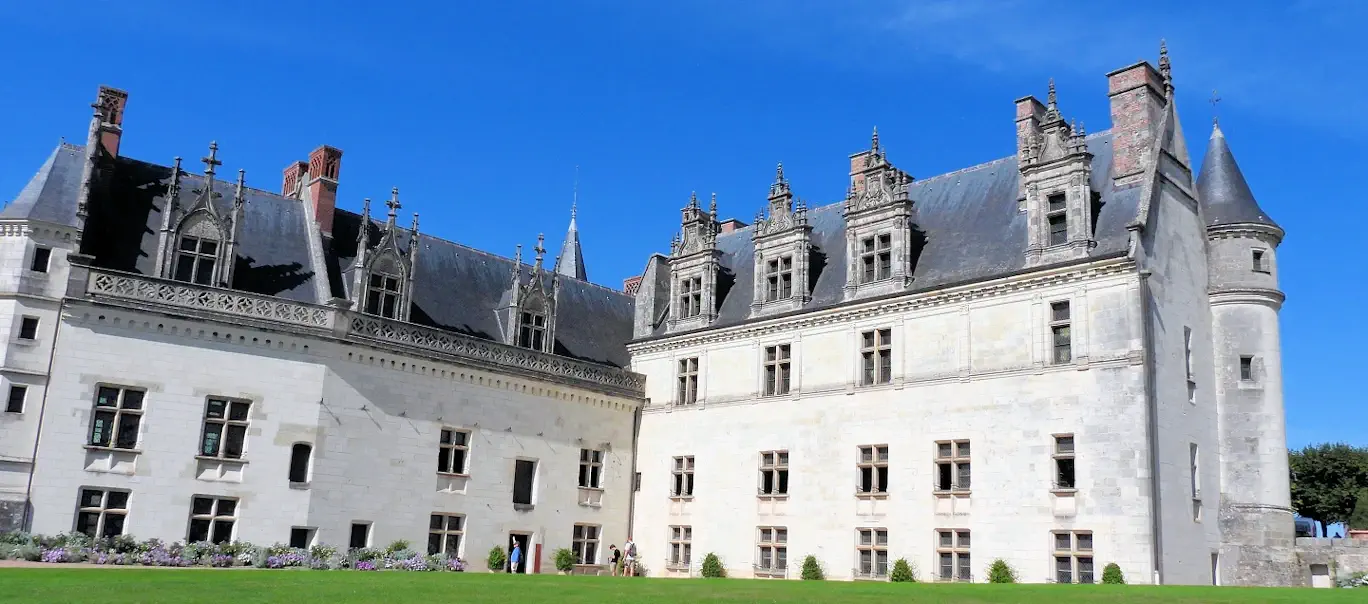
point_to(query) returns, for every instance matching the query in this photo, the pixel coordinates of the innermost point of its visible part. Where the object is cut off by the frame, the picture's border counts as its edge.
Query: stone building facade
(1061, 358)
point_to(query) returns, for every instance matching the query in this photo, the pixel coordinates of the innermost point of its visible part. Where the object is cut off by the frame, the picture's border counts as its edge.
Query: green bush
(712, 567)
(496, 559)
(565, 560)
(1001, 572)
(902, 572)
(1358, 519)
(397, 545)
(811, 570)
(1111, 575)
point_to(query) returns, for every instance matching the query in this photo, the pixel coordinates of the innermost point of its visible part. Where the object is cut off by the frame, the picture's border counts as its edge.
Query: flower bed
(126, 551)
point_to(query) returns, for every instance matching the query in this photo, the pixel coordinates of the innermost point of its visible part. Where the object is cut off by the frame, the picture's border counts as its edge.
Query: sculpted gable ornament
(694, 268)
(1055, 167)
(782, 249)
(881, 243)
(198, 243)
(382, 278)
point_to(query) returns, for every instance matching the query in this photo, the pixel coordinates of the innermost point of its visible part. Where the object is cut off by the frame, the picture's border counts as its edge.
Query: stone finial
(779, 174)
(712, 209)
(173, 189)
(238, 196)
(1052, 99)
(693, 199)
(874, 141)
(211, 160)
(393, 203)
(1165, 68)
(414, 228)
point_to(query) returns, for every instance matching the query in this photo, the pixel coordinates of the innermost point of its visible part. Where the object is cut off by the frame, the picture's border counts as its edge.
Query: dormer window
(876, 258)
(779, 278)
(382, 295)
(690, 297)
(1059, 219)
(532, 330)
(195, 258)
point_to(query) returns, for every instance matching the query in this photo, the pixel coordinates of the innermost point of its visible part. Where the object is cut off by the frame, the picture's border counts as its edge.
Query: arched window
(299, 462)
(197, 251)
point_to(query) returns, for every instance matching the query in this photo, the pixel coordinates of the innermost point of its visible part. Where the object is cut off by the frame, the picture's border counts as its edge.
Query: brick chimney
(110, 105)
(316, 183)
(631, 284)
(1137, 107)
(732, 225)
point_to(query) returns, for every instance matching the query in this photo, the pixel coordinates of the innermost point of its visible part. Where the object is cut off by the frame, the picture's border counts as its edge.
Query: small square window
(28, 328)
(15, 404)
(1246, 369)
(1258, 261)
(41, 257)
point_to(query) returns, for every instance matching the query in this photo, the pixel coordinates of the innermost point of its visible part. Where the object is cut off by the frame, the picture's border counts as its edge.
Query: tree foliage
(565, 560)
(1111, 575)
(902, 572)
(811, 570)
(1326, 480)
(712, 567)
(496, 559)
(1001, 572)
(1359, 519)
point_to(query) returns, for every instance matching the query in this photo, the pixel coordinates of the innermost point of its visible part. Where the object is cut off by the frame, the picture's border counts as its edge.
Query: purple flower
(455, 564)
(365, 565)
(54, 556)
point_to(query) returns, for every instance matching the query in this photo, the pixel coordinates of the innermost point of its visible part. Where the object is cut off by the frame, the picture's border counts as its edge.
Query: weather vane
(1215, 100)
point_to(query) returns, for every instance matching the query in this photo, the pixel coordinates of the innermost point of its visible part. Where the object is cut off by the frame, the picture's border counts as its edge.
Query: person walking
(515, 559)
(615, 559)
(630, 569)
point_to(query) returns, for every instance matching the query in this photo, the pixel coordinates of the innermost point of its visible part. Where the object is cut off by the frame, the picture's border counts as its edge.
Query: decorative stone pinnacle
(693, 199)
(365, 210)
(393, 203)
(779, 173)
(517, 257)
(415, 223)
(541, 239)
(1051, 99)
(1165, 68)
(712, 209)
(211, 160)
(874, 141)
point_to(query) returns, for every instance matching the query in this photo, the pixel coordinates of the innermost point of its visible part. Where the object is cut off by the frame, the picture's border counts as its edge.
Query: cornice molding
(1223, 296)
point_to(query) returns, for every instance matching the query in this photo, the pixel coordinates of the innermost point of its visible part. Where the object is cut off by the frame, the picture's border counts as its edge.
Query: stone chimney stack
(315, 181)
(110, 106)
(1030, 114)
(293, 182)
(1137, 108)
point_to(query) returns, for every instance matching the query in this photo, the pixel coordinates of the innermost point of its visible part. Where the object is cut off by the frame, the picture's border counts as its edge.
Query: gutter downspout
(1151, 427)
(42, 412)
(635, 484)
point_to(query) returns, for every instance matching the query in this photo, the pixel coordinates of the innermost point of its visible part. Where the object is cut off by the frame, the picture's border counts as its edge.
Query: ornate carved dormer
(694, 268)
(530, 316)
(782, 245)
(879, 233)
(1056, 170)
(198, 243)
(382, 277)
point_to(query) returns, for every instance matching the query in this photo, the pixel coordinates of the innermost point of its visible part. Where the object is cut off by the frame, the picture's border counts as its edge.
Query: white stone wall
(975, 369)
(373, 418)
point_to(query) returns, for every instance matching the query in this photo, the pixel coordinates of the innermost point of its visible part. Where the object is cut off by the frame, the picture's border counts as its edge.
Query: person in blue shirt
(516, 557)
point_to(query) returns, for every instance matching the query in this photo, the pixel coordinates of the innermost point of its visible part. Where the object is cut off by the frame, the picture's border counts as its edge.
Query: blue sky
(480, 112)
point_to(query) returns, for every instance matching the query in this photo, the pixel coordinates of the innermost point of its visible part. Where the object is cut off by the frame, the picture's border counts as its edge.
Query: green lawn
(190, 586)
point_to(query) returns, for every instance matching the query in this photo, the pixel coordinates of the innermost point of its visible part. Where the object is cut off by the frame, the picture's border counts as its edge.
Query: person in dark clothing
(615, 558)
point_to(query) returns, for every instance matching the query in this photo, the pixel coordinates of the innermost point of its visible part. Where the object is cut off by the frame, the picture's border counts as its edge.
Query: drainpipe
(1152, 427)
(42, 408)
(632, 490)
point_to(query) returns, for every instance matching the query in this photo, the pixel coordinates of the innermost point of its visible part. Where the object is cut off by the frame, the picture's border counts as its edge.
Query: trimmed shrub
(398, 545)
(496, 560)
(712, 567)
(1111, 575)
(811, 570)
(1001, 572)
(902, 572)
(565, 560)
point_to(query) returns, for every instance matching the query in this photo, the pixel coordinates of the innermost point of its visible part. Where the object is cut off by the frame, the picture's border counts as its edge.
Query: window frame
(774, 465)
(366, 536)
(1246, 368)
(690, 296)
(1258, 260)
(1056, 215)
(591, 469)
(13, 406)
(875, 460)
(225, 429)
(448, 451)
(687, 372)
(1065, 457)
(532, 330)
(28, 328)
(777, 370)
(957, 547)
(120, 415)
(876, 257)
(960, 464)
(682, 477)
(103, 511)
(585, 541)
(381, 300)
(214, 518)
(779, 278)
(771, 540)
(1073, 556)
(872, 541)
(44, 253)
(876, 356)
(199, 259)
(681, 547)
(445, 533)
(308, 463)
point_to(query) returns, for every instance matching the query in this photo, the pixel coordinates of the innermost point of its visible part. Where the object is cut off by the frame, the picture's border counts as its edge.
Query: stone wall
(1342, 557)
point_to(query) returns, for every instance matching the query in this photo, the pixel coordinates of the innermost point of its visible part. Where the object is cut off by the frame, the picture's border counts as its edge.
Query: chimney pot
(111, 102)
(1137, 106)
(325, 165)
(731, 225)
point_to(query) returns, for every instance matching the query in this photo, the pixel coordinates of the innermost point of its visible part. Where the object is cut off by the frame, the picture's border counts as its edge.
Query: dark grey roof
(972, 223)
(459, 288)
(51, 195)
(570, 262)
(1221, 187)
(273, 247)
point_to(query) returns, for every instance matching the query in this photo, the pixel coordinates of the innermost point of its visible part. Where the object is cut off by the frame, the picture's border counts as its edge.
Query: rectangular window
(1196, 477)
(225, 428)
(15, 403)
(28, 328)
(524, 472)
(1246, 368)
(683, 483)
(1058, 218)
(876, 258)
(118, 411)
(952, 552)
(211, 519)
(777, 370)
(360, 535)
(872, 470)
(636, 482)
(532, 330)
(876, 357)
(688, 381)
(779, 279)
(774, 473)
(41, 257)
(1187, 351)
(101, 512)
(586, 543)
(301, 537)
(1064, 462)
(591, 469)
(195, 260)
(451, 451)
(1259, 264)
(772, 554)
(1073, 557)
(690, 297)
(382, 296)
(444, 534)
(952, 465)
(1060, 339)
(871, 553)
(681, 546)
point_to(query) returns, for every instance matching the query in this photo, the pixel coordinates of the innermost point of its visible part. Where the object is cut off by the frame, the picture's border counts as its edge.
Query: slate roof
(1222, 190)
(455, 287)
(570, 262)
(972, 223)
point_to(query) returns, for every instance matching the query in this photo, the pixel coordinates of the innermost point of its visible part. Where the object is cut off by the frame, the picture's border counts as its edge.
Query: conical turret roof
(1225, 196)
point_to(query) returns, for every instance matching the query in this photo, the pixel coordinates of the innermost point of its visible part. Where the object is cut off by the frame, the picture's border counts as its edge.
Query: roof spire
(541, 251)
(1165, 68)
(1215, 99)
(779, 174)
(693, 199)
(874, 141)
(1052, 99)
(394, 205)
(1222, 190)
(570, 262)
(712, 209)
